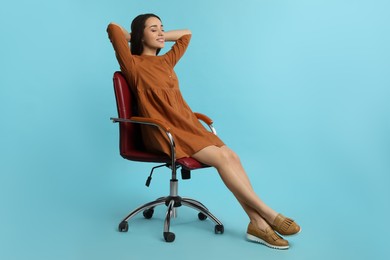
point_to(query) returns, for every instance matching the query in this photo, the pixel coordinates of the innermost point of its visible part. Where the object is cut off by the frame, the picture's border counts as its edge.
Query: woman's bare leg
(235, 178)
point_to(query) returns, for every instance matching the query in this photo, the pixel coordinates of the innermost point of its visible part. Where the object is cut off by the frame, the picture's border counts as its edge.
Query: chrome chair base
(172, 202)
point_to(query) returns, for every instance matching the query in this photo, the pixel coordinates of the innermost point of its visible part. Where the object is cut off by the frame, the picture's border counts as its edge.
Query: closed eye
(154, 28)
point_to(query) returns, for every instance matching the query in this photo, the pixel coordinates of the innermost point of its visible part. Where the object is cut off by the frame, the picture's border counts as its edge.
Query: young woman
(155, 83)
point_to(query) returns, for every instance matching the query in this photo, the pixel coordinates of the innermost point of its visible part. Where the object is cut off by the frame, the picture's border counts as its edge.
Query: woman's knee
(217, 156)
(229, 156)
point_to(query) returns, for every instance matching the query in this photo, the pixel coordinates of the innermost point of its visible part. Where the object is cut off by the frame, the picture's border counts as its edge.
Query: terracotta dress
(154, 81)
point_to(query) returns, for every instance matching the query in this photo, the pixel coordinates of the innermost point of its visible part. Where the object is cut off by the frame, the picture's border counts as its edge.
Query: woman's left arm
(174, 35)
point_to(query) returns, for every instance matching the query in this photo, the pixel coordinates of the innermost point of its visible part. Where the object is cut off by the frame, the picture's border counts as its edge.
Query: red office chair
(131, 148)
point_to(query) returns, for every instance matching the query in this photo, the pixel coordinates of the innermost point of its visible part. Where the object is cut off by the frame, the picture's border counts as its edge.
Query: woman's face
(153, 38)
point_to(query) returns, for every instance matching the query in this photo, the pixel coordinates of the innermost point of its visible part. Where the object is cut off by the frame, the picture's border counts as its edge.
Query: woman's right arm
(125, 32)
(120, 38)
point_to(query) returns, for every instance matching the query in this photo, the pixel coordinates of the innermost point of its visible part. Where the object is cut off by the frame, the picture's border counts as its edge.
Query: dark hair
(137, 33)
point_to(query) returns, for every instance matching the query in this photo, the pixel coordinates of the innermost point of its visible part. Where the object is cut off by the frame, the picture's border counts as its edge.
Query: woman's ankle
(259, 223)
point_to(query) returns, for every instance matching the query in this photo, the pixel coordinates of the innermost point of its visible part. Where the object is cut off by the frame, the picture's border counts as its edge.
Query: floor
(342, 216)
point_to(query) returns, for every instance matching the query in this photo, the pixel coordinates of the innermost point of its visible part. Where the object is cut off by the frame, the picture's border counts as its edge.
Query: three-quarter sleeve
(121, 47)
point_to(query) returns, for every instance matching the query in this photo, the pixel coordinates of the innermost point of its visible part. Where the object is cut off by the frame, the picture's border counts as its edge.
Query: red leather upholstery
(130, 139)
(190, 163)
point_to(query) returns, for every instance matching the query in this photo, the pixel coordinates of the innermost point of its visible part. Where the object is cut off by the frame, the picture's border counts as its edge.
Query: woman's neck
(149, 52)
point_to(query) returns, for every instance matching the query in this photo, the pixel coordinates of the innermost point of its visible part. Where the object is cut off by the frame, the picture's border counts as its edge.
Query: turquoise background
(299, 89)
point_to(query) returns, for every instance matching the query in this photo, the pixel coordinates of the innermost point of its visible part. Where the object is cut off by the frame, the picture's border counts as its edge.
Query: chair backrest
(131, 146)
(130, 139)
(129, 134)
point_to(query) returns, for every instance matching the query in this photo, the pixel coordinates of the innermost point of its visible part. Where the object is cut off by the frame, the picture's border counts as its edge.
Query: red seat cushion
(188, 163)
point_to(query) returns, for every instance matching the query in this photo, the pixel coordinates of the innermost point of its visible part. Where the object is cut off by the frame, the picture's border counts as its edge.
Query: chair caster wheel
(201, 216)
(148, 213)
(169, 236)
(219, 229)
(123, 226)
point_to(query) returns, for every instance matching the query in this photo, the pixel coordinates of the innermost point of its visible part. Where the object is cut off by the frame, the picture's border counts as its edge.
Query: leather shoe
(266, 237)
(285, 226)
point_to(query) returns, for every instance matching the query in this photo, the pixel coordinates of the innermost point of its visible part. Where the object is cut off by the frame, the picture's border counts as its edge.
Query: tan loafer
(267, 237)
(285, 226)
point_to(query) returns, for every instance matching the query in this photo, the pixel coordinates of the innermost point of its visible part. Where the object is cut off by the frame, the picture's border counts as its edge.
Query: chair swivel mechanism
(131, 148)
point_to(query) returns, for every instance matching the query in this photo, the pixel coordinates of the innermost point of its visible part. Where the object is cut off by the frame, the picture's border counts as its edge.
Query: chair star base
(172, 203)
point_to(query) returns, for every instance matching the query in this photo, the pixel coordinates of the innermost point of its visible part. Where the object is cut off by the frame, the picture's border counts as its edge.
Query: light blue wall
(300, 89)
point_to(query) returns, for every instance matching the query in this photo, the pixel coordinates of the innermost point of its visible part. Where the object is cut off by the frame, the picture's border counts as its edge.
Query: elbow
(111, 25)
